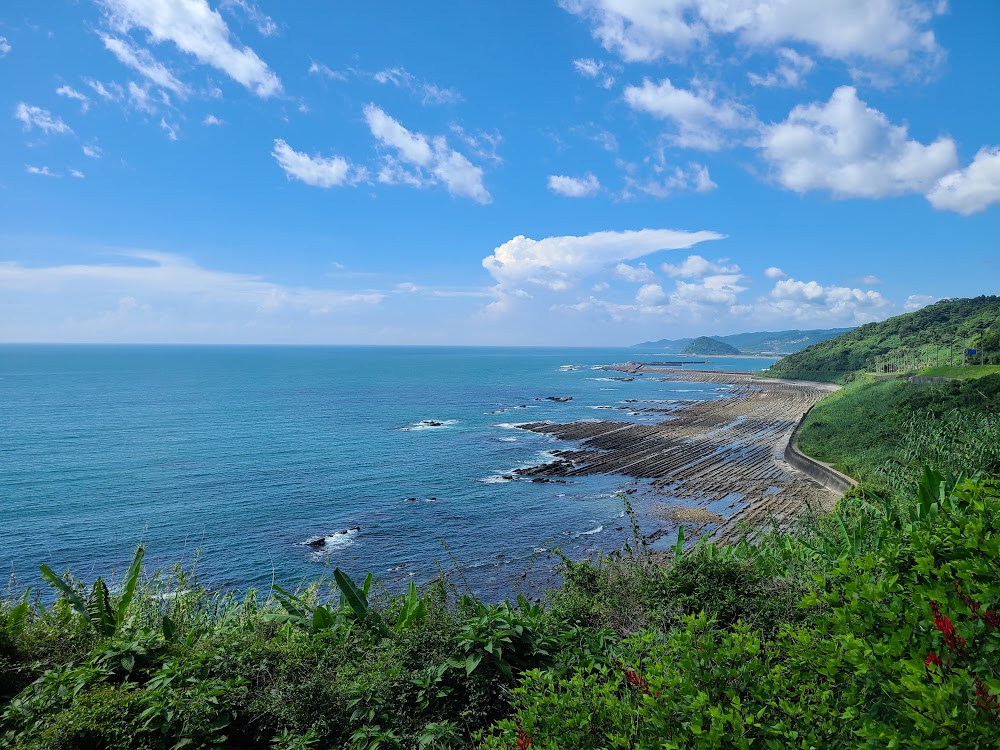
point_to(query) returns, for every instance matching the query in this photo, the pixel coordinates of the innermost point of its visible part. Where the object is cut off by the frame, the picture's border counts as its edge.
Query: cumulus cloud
(36, 117)
(574, 187)
(701, 120)
(71, 93)
(5, 47)
(890, 32)
(318, 171)
(852, 150)
(972, 189)
(420, 160)
(198, 30)
(868, 280)
(773, 272)
(640, 274)
(694, 266)
(810, 301)
(558, 263)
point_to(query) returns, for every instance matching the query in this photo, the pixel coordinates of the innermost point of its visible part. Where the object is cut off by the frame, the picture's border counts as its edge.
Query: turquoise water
(246, 453)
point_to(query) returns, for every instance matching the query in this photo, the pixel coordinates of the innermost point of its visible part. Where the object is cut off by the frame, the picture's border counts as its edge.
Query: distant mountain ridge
(760, 342)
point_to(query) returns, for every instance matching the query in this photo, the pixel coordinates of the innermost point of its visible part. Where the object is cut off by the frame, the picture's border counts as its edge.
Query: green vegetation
(933, 336)
(882, 432)
(875, 627)
(968, 372)
(709, 346)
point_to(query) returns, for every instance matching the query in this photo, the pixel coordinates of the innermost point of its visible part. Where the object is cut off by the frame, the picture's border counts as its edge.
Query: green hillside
(936, 335)
(708, 346)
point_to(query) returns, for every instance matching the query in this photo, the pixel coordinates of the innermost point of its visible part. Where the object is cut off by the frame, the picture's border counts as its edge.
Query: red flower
(952, 639)
(523, 740)
(932, 660)
(635, 679)
(992, 618)
(985, 701)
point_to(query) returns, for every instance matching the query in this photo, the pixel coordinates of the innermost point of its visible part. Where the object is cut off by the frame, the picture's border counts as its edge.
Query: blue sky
(527, 172)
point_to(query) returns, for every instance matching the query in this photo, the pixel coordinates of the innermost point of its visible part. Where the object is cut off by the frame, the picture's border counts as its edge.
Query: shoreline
(730, 462)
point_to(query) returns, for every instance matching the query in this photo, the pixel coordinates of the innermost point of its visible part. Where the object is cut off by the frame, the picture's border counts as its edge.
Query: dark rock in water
(508, 477)
(631, 491)
(318, 542)
(500, 557)
(656, 535)
(411, 500)
(619, 528)
(432, 423)
(560, 399)
(354, 528)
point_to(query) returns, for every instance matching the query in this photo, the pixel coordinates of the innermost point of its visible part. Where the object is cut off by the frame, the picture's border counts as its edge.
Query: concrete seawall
(819, 471)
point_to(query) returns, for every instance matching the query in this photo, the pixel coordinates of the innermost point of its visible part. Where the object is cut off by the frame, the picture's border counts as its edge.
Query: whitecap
(429, 424)
(598, 530)
(497, 479)
(338, 540)
(512, 425)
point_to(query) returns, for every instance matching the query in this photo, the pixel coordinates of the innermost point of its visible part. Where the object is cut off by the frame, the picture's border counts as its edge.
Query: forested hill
(708, 346)
(934, 335)
(759, 342)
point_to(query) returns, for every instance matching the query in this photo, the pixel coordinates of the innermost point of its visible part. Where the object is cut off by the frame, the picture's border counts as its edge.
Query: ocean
(239, 456)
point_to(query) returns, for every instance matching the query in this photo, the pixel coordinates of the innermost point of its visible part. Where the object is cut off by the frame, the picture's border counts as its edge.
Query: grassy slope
(960, 323)
(968, 372)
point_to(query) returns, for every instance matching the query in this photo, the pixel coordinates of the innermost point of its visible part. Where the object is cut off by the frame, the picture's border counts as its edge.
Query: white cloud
(590, 68)
(695, 178)
(111, 93)
(195, 28)
(318, 171)
(574, 187)
(211, 120)
(194, 303)
(557, 263)
(41, 171)
(76, 173)
(71, 93)
(320, 69)
(650, 294)
(140, 98)
(773, 272)
(264, 23)
(92, 150)
(891, 32)
(428, 93)
(916, 301)
(852, 150)
(36, 117)
(701, 120)
(431, 158)
(868, 280)
(810, 301)
(142, 61)
(5, 47)
(972, 189)
(600, 286)
(640, 274)
(170, 130)
(790, 72)
(694, 266)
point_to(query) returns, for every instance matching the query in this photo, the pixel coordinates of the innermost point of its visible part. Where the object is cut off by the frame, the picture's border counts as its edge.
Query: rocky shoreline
(723, 457)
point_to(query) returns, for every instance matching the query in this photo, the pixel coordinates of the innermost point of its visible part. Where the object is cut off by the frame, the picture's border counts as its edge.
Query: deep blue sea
(246, 453)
